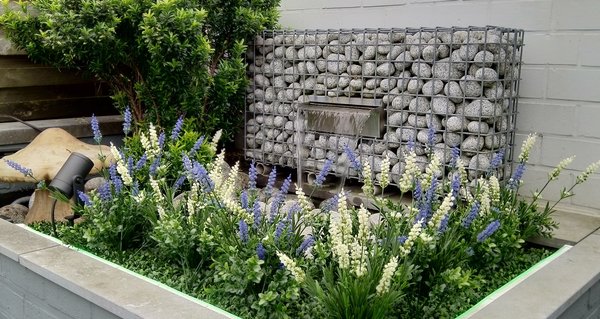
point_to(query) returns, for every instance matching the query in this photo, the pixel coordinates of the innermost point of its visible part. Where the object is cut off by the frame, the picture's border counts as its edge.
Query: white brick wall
(560, 88)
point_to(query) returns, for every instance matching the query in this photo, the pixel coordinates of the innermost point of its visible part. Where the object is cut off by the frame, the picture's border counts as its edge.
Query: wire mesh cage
(379, 92)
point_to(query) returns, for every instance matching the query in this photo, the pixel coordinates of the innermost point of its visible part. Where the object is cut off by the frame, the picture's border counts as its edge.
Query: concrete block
(99, 313)
(15, 241)
(549, 48)
(594, 300)
(578, 309)
(333, 4)
(300, 4)
(587, 194)
(381, 3)
(533, 83)
(586, 117)
(536, 176)
(21, 277)
(574, 84)
(576, 15)
(11, 301)
(66, 301)
(38, 310)
(555, 148)
(543, 117)
(528, 15)
(589, 48)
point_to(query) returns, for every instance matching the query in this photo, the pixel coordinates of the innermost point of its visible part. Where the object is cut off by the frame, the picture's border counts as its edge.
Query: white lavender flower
(432, 171)
(587, 172)
(290, 265)
(122, 168)
(553, 175)
(215, 140)
(436, 220)
(386, 278)
(413, 234)
(367, 179)
(494, 188)
(411, 171)
(385, 172)
(526, 147)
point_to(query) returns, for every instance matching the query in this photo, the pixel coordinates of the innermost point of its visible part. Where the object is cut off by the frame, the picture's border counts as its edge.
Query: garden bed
(41, 276)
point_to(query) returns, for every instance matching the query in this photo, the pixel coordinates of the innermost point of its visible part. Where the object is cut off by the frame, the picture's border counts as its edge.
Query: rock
(392, 139)
(14, 213)
(478, 127)
(368, 69)
(421, 69)
(470, 86)
(337, 63)
(397, 118)
(488, 75)
(453, 91)
(414, 85)
(482, 109)
(446, 70)
(484, 58)
(472, 144)
(403, 61)
(93, 184)
(478, 165)
(456, 123)
(406, 134)
(452, 139)
(401, 102)
(419, 104)
(417, 120)
(467, 52)
(432, 87)
(47, 153)
(386, 69)
(442, 105)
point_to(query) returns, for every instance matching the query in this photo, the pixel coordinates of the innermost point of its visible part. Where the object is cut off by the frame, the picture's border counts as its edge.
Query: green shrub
(162, 58)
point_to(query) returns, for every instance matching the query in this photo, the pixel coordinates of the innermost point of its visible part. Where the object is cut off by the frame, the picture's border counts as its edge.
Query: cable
(21, 121)
(52, 219)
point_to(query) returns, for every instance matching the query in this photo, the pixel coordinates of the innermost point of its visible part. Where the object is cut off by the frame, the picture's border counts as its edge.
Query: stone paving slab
(111, 288)
(572, 228)
(15, 241)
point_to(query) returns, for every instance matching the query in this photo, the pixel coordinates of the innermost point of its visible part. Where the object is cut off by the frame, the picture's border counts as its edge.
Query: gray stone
(414, 85)
(453, 91)
(395, 52)
(478, 165)
(488, 75)
(419, 104)
(494, 92)
(456, 123)
(397, 118)
(423, 137)
(495, 141)
(432, 87)
(388, 84)
(421, 69)
(478, 127)
(442, 105)
(484, 58)
(95, 182)
(368, 69)
(457, 62)
(15, 213)
(403, 78)
(392, 139)
(403, 61)
(401, 102)
(337, 63)
(472, 144)
(434, 121)
(372, 83)
(445, 70)
(386, 69)
(309, 52)
(419, 121)
(291, 74)
(482, 109)
(397, 171)
(379, 148)
(452, 139)
(406, 134)
(470, 86)
(443, 152)
(369, 53)
(467, 52)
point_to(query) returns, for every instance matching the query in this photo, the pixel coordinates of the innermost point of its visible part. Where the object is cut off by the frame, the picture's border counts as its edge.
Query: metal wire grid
(461, 84)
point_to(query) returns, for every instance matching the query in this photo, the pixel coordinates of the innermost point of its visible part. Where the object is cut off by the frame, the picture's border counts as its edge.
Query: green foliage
(253, 253)
(161, 58)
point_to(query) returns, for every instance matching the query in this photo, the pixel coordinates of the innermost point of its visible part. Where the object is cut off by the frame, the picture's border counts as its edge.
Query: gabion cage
(381, 91)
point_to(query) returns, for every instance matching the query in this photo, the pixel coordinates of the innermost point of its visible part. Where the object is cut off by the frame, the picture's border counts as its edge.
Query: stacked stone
(441, 88)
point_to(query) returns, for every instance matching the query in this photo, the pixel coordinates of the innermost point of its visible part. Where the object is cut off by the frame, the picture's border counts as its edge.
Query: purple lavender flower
(410, 145)
(402, 239)
(488, 231)
(19, 168)
(279, 230)
(115, 178)
(425, 205)
(260, 251)
(130, 165)
(104, 192)
(455, 184)
(294, 209)
(354, 163)
(177, 128)
(187, 162)
(444, 224)
(243, 231)
(306, 244)
(252, 174)
(200, 174)
(161, 140)
(85, 199)
(197, 146)
(257, 214)
(244, 199)
(135, 188)
(430, 135)
(515, 180)
(331, 203)
(141, 162)
(466, 223)
(285, 187)
(274, 209)
(179, 182)
(455, 154)
(323, 173)
(154, 166)
(271, 181)
(96, 129)
(418, 192)
(127, 121)
(496, 160)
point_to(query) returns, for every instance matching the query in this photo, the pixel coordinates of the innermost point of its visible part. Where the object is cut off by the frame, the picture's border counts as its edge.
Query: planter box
(41, 278)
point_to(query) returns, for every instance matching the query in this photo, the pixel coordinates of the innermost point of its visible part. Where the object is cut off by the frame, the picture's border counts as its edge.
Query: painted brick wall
(560, 88)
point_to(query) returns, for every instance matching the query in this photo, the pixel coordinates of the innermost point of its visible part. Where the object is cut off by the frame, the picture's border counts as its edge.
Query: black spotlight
(70, 179)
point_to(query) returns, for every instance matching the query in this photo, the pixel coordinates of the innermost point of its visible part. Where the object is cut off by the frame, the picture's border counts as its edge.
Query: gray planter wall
(559, 95)
(40, 278)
